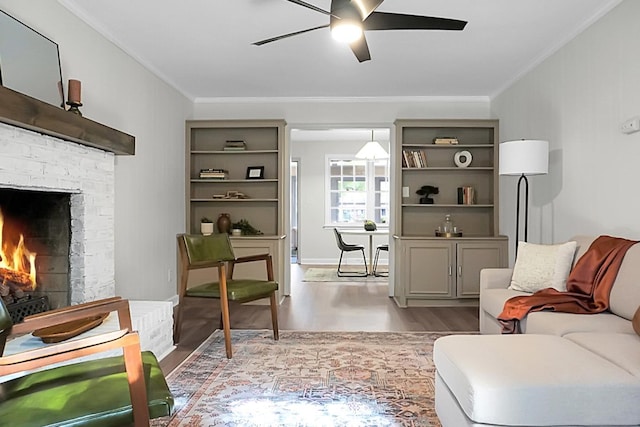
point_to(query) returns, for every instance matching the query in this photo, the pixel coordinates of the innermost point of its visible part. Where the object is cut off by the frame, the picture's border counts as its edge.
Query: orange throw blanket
(588, 286)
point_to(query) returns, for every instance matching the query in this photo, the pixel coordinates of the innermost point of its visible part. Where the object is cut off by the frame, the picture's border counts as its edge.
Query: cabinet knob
(450, 272)
(460, 270)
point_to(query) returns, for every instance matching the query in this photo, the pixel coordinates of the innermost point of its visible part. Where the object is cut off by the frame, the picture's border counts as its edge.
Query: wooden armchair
(113, 391)
(215, 251)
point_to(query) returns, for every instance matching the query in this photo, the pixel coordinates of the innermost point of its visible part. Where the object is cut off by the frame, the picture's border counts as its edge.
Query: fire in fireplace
(34, 249)
(17, 267)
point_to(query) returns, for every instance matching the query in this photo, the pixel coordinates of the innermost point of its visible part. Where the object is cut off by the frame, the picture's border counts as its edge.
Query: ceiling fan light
(346, 31)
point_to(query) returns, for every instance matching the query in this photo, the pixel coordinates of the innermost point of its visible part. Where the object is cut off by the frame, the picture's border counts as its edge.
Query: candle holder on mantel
(73, 107)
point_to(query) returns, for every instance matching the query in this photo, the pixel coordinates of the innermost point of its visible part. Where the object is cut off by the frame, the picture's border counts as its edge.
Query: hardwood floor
(321, 306)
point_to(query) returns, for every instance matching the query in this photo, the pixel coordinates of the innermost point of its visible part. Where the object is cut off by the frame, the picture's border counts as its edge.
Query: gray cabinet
(446, 271)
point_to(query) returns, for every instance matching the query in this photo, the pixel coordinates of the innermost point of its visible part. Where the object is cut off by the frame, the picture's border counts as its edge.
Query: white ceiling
(203, 47)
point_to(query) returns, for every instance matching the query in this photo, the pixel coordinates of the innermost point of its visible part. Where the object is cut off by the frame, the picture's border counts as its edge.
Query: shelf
(218, 152)
(233, 200)
(451, 168)
(29, 113)
(447, 206)
(231, 181)
(441, 146)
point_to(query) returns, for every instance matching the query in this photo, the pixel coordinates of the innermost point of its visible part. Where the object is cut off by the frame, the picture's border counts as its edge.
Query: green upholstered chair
(112, 391)
(215, 251)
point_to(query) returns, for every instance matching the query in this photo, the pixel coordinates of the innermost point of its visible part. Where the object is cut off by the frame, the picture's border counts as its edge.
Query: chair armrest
(250, 258)
(495, 278)
(41, 357)
(63, 347)
(76, 312)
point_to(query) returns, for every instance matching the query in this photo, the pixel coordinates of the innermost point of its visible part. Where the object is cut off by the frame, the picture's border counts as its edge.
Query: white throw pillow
(542, 266)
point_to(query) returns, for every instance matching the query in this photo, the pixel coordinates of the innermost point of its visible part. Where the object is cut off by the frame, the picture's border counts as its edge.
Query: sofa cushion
(556, 323)
(539, 380)
(625, 294)
(492, 300)
(542, 266)
(636, 321)
(620, 349)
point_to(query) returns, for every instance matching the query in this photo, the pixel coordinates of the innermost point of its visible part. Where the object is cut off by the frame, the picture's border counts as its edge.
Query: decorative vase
(206, 228)
(224, 223)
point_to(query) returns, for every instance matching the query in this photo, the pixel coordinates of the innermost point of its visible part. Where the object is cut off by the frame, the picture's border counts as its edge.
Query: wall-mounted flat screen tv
(29, 62)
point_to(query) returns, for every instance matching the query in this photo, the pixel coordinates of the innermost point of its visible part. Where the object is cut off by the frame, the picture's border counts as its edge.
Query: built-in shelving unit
(433, 270)
(262, 206)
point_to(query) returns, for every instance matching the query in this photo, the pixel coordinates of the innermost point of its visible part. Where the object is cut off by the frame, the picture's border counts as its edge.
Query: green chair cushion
(92, 393)
(237, 290)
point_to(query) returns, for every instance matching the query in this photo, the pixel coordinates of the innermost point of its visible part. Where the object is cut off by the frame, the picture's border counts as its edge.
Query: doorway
(294, 168)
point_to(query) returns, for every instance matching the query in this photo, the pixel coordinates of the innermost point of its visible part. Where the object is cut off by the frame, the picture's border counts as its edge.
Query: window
(358, 190)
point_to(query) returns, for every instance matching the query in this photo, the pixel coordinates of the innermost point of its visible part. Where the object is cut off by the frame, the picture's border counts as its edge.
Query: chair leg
(375, 262)
(366, 268)
(340, 263)
(375, 266)
(352, 274)
(274, 316)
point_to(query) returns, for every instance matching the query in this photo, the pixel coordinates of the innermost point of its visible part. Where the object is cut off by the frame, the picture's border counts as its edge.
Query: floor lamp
(524, 157)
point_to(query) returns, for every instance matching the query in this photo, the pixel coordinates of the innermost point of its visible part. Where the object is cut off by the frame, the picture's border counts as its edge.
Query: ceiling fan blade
(284, 36)
(309, 6)
(366, 7)
(361, 49)
(399, 21)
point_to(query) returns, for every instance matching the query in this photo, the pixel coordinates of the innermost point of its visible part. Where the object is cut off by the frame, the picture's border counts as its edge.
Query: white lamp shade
(372, 150)
(524, 157)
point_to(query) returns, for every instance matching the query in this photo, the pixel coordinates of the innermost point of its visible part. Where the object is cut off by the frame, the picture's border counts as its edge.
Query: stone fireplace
(44, 172)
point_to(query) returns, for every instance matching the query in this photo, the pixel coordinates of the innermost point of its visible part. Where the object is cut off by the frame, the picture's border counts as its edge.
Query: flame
(17, 258)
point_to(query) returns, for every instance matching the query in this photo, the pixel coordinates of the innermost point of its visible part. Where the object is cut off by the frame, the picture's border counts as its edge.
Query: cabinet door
(429, 269)
(473, 257)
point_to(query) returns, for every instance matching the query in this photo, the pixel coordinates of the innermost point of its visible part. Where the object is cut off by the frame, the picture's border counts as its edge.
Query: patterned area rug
(307, 379)
(314, 274)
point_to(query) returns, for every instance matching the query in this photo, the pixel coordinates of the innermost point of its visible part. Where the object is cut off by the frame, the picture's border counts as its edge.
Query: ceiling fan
(349, 18)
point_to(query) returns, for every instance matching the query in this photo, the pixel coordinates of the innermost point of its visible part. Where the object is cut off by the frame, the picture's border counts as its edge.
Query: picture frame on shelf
(255, 172)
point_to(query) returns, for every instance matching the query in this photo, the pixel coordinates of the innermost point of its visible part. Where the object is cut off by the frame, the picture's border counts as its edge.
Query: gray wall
(149, 192)
(577, 99)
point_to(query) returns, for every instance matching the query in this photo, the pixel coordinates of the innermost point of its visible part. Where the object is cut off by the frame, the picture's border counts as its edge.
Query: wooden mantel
(29, 113)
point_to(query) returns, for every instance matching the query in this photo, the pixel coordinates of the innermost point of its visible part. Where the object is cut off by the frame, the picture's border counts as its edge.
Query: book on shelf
(213, 170)
(234, 145)
(466, 195)
(414, 159)
(213, 174)
(445, 140)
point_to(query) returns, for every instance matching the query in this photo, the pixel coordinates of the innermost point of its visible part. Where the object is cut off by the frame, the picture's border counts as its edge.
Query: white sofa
(564, 370)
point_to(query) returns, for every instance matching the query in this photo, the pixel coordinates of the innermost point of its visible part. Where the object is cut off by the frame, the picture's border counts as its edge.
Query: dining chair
(345, 247)
(112, 391)
(379, 248)
(215, 251)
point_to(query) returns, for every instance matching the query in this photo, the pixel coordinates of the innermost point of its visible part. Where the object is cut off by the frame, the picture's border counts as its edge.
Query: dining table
(370, 233)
